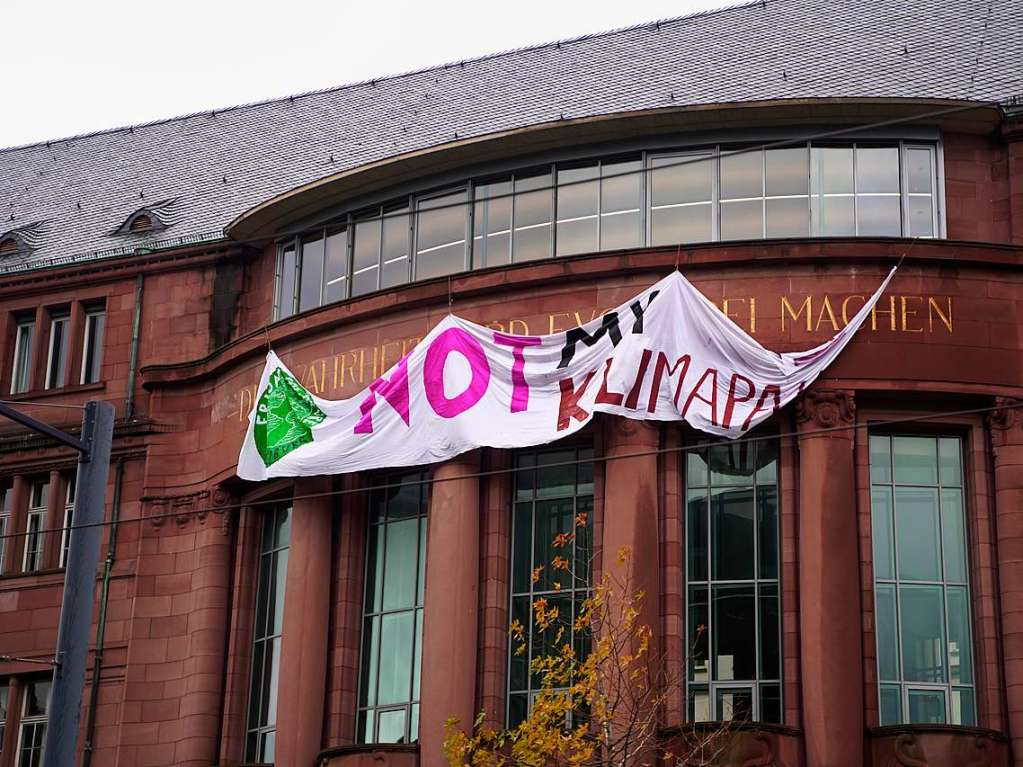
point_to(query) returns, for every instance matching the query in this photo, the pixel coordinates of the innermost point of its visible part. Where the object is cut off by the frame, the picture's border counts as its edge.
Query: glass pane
(923, 635)
(370, 648)
(366, 255)
(620, 190)
(391, 726)
(553, 480)
(365, 731)
(551, 519)
(788, 171)
(699, 635)
(690, 223)
(312, 273)
(58, 352)
(394, 248)
(916, 522)
(878, 216)
(286, 288)
(949, 464)
(742, 220)
(887, 638)
(696, 535)
(518, 709)
(926, 706)
(440, 236)
(578, 236)
(770, 703)
(881, 532)
(960, 646)
(699, 705)
(578, 192)
(734, 704)
(417, 658)
(681, 179)
(880, 459)
(734, 638)
(953, 535)
(492, 221)
(837, 217)
(915, 460)
(519, 671)
(921, 177)
(877, 169)
(620, 230)
(696, 467)
(731, 464)
(832, 170)
(280, 576)
(770, 627)
(788, 217)
(396, 632)
(401, 566)
(534, 203)
(522, 544)
(964, 711)
(742, 175)
(375, 569)
(732, 529)
(891, 705)
(767, 511)
(921, 216)
(37, 696)
(335, 275)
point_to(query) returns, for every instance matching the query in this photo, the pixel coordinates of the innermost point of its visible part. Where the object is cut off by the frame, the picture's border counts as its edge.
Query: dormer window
(154, 217)
(8, 247)
(140, 223)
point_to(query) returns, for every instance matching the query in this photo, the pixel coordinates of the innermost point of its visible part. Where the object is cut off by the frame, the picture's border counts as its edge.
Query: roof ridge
(657, 23)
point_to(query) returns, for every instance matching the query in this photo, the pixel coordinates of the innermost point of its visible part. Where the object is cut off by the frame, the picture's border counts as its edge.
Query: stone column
(631, 519)
(301, 690)
(829, 582)
(1006, 425)
(450, 604)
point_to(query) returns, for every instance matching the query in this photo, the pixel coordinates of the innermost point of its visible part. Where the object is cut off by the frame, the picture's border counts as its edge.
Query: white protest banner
(668, 354)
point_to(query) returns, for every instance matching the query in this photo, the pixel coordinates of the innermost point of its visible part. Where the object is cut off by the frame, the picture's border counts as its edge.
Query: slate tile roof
(216, 165)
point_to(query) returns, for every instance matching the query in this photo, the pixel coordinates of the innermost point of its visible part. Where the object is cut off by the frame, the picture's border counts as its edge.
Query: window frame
(60, 318)
(89, 343)
(895, 582)
(35, 513)
(20, 340)
(474, 256)
(585, 453)
(70, 488)
(711, 583)
(25, 721)
(412, 706)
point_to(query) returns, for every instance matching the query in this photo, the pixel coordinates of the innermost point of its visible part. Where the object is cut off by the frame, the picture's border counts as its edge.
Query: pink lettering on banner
(520, 387)
(393, 390)
(454, 340)
(734, 399)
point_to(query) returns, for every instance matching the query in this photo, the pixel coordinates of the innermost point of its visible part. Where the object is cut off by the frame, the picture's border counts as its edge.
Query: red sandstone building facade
(859, 586)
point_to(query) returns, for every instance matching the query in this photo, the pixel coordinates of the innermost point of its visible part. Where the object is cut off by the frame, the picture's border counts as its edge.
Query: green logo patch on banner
(285, 416)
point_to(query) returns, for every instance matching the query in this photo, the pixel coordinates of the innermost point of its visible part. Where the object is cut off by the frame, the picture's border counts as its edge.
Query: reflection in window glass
(335, 269)
(921, 589)
(440, 235)
(621, 189)
(681, 199)
(34, 702)
(920, 174)
(261, 728)
(21, 373)
(533, 213)
(578, 210)
(878, 208)
(734, 628)
(92, 345)
(787, 190)
(393, 611)
(552, 487)
(56, 360)
(491, 224)
(742, 196)
(286, 282)
(311, 273)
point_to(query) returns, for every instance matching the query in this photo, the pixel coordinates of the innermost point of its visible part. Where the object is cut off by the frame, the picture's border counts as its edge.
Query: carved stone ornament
(1006, 421)
(181, 508)
(826, 408)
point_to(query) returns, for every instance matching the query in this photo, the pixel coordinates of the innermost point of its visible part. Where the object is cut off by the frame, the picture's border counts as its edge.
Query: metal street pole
(79, 586)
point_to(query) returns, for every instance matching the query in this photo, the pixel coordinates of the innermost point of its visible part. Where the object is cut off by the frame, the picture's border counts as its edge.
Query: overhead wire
(603, 459)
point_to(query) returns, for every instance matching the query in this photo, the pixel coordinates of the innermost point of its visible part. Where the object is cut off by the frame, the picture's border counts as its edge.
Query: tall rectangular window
(734, 626)
(287, 272)
(21, 372)
(392, 626)
(921, 581)
(69, 511)
(92, 346)
(32, 732)
(56, 358)
(441, 229)
(552, 489)
(35, 522)
(266, 649)
(5, 518)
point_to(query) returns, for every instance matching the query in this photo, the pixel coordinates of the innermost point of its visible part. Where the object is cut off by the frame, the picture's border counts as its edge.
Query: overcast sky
(76, 67)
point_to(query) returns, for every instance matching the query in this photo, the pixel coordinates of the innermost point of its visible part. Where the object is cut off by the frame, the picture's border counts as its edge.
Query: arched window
(141, 223)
